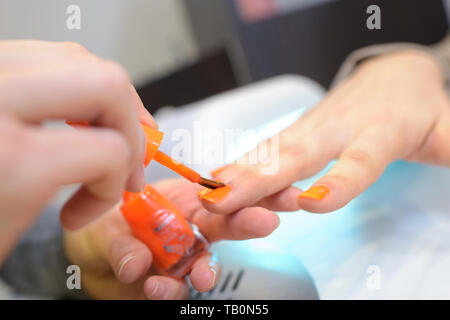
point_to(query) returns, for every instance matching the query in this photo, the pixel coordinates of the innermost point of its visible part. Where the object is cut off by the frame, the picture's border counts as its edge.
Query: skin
(40, 81)
(392, 107)
(115, 265)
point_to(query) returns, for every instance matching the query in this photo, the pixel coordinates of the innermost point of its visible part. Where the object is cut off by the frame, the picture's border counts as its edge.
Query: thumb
(128, 257)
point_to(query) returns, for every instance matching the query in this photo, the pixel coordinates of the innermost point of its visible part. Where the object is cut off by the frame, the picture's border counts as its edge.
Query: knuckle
(119, 248)
(361, 158)
(346, 183)
(294, 150)
(291, 146)
(299, 155)
(431, 148)
(73, 47)
(114, 77)
(342, 109)
(256, 182)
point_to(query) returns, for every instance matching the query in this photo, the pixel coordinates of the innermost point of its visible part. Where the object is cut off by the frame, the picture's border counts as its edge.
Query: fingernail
(278, 221)
(216, 195)
(213, 269)
(203, 192)
(123, 263)
(216, 172)
(157, 289)
(150, 121)
(136, 182)
(315, 192)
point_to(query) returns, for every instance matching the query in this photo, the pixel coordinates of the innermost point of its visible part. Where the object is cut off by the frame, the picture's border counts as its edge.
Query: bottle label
(171, 232)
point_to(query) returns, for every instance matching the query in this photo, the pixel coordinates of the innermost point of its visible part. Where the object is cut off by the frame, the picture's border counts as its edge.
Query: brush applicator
(154, 138)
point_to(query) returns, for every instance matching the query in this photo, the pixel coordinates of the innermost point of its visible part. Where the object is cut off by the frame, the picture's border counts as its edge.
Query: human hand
(392, 107)
(116, 265)
(48, 80)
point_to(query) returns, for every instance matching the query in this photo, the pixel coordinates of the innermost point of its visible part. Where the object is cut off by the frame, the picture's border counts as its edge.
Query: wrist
(412, 60)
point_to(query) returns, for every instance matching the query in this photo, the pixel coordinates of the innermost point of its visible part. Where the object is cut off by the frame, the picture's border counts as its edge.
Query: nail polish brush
(154, 138)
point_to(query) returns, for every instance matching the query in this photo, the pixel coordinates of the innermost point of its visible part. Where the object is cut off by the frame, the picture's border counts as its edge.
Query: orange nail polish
(315, 192)
(203, 192)
(174, 242)
(215, 195)
(216, 172)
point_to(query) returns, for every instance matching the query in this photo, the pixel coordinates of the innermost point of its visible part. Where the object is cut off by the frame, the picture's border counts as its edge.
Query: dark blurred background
(178, 51)
(243, 41)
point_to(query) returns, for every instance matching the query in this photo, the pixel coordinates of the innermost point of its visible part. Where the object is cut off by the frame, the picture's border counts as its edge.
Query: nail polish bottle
(174, 242)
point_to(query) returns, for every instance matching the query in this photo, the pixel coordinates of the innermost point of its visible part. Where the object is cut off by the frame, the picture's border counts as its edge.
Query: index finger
(96, 91)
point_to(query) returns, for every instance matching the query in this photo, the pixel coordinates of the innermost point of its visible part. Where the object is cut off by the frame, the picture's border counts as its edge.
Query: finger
(284, 200)
(164, 288)
(129, 258)
(137, 177)
(42, 45)
(434, 149)
(98, 93)
(205, 273)
(111, 241)
(356, 169)
(96, 157)
(18, 55)
(215, 173)
(247, 223)
(144, 116)
(26, 53)
(296, 158)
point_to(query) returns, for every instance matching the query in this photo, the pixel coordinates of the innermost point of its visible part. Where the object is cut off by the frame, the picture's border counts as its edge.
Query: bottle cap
(154, 138)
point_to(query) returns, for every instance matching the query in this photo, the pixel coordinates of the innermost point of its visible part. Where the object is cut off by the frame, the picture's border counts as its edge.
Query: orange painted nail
(203, 192)
(215, 195)
(216, 172)
(315, 192)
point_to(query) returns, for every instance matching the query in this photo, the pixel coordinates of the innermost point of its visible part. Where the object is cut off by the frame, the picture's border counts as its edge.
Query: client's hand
(392, 107)
(116, 265)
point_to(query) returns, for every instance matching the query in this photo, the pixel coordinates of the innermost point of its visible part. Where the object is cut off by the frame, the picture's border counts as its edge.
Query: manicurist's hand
(392, 107)
(46, 80)
(116, 265)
